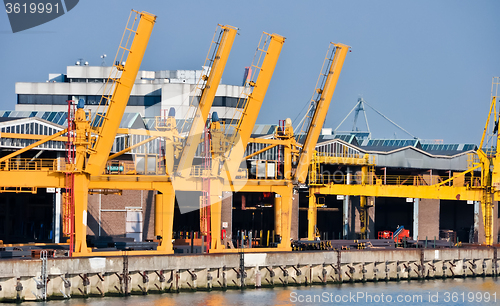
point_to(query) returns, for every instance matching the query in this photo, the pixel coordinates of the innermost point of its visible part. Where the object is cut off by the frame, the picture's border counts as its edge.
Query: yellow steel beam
(118, 102)
(402, 191)
(132, 147)
(128, 182)
(206, 100)
(37, 179)
(320, 111)
(458, 175)
(260, 151)
(34, 145)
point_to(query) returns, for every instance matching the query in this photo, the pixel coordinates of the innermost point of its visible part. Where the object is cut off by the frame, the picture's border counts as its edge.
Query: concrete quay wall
(24, 280)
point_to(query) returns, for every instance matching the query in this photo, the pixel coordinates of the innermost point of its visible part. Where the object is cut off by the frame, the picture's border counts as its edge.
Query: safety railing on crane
(29, 164)
(324, 177)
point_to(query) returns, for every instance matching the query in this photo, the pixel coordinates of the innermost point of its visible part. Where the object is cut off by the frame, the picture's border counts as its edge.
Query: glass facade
(89, 100)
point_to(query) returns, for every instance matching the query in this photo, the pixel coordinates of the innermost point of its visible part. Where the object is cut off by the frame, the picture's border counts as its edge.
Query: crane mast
(241, 132)
(224, 46)
(127, 61)
(319, 108)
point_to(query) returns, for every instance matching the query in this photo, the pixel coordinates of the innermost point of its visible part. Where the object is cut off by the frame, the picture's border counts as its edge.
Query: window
(42, 99)
(93, 100)
(143, 100)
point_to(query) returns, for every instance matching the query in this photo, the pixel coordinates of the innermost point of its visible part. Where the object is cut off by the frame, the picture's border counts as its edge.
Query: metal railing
(338, 177)
(29, 164)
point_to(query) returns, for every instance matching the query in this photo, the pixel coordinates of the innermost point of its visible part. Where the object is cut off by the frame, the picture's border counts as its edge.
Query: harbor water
(457, 291)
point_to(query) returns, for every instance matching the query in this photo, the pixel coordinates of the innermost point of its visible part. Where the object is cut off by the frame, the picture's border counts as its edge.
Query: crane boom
(207, 97)
(320, 106)
(243, 130)
(129, 65)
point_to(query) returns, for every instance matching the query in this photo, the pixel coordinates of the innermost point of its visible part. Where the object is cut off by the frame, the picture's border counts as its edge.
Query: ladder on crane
(117, 89)
(69, 179)
(205, 194)
(204, 95)
(235, 125)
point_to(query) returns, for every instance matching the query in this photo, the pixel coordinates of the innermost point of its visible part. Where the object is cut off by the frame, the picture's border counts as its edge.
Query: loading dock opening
(457, 216)
(253, 212)
(393, 212)
(26, 217)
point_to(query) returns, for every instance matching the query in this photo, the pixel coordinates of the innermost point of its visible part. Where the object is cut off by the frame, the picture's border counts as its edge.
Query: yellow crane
(92, 141)
(226, 159)
(483, 189)
(325, 87)
(284, 187)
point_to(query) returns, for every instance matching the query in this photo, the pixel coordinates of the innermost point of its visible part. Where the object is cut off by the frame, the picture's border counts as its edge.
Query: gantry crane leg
(363, 217)
(216, 214)
(81, 193)
(286, 219)
(277, 214)
(363, 206)
(164, 218)
(487, 210)
(311, 217)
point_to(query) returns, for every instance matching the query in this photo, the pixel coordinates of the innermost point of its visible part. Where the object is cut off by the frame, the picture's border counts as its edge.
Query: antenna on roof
(103, 63)
(366, 134)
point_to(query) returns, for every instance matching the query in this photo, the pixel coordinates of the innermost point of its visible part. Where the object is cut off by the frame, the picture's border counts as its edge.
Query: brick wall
(428, 218)
(113, 222)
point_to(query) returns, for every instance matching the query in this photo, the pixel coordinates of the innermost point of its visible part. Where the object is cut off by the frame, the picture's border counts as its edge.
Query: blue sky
(427, 65)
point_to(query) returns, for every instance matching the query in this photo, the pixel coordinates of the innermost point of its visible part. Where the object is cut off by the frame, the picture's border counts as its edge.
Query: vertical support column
(277, 214)
(415, 218)
(311, 216)
(345, 208)
(295, 216)
(159, 215)
(215, 213)
(81, 192)
(363, 217)
(164, 218)
(363, 211)
(476, 220)
(286, 220)
(57, 215)
(215, 216)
